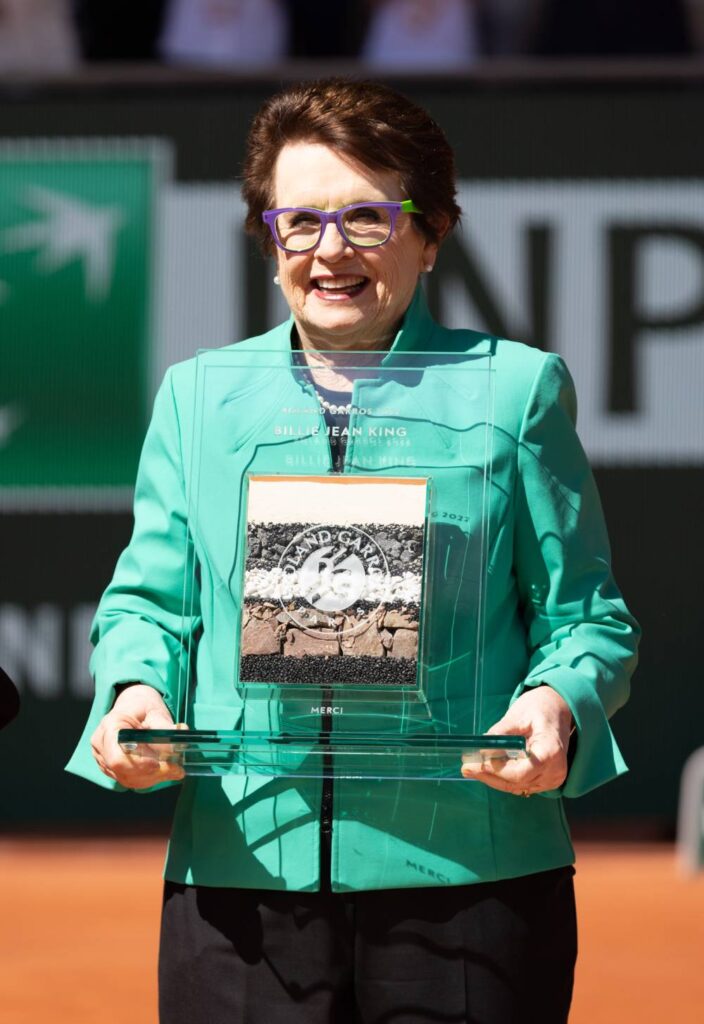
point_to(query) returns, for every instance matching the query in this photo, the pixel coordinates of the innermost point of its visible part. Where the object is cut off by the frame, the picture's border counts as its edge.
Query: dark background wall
(581, 134)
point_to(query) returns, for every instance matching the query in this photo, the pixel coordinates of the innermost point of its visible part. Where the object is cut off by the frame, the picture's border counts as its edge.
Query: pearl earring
(277, 279)
(428, 267)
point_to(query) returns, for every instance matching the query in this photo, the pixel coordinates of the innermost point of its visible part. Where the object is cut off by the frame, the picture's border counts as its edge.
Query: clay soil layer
(80, 920)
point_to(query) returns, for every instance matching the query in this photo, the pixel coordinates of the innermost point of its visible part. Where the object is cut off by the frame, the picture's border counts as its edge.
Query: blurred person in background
(224, 33)
(438, 35)
(422, 35)
(117, 30)
(37, 37)
(218, 33)
(578, 28)
(315, 901)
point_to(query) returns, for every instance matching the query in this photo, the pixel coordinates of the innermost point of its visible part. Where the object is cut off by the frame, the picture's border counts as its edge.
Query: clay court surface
(79, 924)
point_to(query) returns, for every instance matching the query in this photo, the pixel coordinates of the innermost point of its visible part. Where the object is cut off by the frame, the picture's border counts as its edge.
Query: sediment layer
(297, 632)
(401, 545)
(328, 672)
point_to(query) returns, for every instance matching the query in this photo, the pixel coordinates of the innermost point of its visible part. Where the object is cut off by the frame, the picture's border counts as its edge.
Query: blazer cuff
(82, 762)
(597, 758)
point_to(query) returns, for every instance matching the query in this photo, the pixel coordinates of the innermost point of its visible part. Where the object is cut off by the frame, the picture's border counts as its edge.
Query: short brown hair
(366, 121)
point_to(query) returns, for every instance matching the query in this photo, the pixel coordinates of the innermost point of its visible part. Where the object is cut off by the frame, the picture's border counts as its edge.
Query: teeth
(335, 284)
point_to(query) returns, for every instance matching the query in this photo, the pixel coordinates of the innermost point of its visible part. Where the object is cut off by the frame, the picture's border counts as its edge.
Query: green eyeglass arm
(408, 206)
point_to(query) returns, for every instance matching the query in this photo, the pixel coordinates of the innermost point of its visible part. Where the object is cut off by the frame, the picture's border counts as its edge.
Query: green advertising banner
(77, 234)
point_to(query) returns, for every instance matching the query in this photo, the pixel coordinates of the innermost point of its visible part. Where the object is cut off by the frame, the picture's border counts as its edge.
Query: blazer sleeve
(150, 610)
(582, 639)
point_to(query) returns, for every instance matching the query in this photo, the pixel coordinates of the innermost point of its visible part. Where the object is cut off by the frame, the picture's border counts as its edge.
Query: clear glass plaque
(336, 567)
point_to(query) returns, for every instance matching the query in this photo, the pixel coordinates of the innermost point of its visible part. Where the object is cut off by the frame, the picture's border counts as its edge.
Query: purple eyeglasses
(362, 225)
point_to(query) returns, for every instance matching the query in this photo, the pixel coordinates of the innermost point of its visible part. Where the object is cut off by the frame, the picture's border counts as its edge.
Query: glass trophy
(336, 567)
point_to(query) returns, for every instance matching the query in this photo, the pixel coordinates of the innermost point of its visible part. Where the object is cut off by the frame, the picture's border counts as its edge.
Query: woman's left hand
(544, 718)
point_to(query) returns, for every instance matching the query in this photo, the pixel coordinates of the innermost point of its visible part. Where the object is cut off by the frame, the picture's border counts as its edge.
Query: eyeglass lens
(364, 226)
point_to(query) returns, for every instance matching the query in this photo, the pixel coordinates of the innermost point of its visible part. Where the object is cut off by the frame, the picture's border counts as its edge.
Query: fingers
(158, 718)
(509, 726)
(544, 719)
(141, 769)
(514, 775)
(96, 743)
(543, 768)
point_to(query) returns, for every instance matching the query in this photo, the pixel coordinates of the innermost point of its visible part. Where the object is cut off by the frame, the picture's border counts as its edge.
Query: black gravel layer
(315, 671)
(402, 545)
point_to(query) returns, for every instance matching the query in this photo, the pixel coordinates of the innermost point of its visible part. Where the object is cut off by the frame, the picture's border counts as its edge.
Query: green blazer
(553, 616)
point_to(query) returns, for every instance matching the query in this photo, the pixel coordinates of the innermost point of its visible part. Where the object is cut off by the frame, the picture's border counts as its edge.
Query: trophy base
(325, 755)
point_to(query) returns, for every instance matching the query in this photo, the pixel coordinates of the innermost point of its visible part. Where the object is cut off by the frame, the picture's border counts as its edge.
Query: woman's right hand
(137, 707)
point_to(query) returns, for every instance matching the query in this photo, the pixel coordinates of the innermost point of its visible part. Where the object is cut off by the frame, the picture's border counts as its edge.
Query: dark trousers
(493, 953)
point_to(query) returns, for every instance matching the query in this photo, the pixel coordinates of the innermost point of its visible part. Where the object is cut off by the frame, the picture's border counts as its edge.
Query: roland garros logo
(331, 569)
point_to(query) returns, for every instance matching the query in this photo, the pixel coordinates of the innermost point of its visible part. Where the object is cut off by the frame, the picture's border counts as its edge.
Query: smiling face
(342, 297)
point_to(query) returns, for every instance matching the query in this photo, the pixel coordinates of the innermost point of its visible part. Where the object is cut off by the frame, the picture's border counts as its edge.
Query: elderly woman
(390, 900)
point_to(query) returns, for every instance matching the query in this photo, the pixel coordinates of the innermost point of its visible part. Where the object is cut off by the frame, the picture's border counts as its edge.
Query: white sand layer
(277, 585)
(338, 500)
